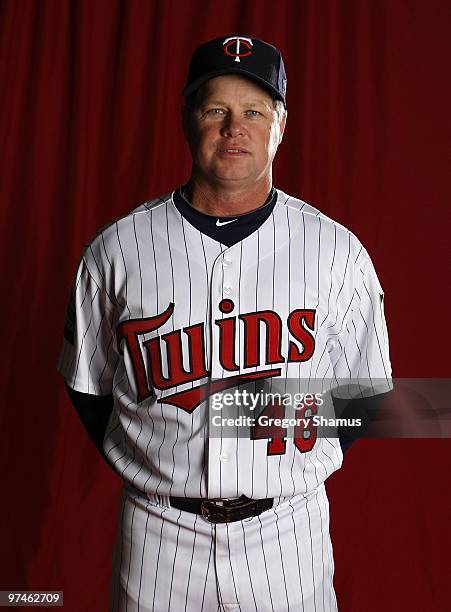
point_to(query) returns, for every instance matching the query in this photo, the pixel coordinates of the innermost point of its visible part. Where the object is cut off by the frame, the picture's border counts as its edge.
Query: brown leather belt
(223, 510)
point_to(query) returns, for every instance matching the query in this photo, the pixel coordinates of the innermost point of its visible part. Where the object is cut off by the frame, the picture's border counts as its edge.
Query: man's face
(233, 132)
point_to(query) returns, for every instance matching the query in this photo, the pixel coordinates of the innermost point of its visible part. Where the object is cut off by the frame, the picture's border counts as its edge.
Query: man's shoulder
(307, 209)
(111, 231)
(341, 233)
(113, 240)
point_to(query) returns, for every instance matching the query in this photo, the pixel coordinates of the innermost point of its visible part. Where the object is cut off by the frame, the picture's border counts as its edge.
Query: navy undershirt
(230, 232)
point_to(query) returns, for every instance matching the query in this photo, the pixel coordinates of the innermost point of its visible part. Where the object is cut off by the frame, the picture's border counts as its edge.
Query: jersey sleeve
(88, 355)
(360, 354)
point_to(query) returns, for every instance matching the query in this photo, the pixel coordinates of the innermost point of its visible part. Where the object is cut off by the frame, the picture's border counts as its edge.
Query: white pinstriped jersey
(161, 309)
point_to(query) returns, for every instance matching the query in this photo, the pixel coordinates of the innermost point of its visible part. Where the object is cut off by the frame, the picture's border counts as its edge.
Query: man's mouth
(233, 151)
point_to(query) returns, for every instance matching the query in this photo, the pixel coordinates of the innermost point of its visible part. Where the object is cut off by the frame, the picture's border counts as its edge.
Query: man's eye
(252, 113)
(215, 111)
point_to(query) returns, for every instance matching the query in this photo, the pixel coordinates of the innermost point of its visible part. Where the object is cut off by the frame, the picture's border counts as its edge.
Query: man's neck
(224, 202)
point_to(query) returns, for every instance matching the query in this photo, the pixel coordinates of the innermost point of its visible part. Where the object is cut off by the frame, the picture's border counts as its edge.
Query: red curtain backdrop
(90, 128)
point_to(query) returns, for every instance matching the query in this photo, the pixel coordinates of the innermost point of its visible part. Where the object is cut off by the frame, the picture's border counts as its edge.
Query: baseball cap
(238, 54)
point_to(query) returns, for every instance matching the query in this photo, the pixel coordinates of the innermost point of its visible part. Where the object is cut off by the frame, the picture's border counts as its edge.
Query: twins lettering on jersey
(301, 345)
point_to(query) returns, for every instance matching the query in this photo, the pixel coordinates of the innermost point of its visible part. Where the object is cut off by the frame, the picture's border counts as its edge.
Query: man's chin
(233, 175)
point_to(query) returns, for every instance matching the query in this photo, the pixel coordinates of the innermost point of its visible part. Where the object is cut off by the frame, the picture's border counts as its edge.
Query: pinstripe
(264, 563)
(362, 319)
(317, 285)
(318, 261)
(272, 308)
(99, 284)
(230, 563)
(102, 276)
(173, 300)
(125, 269)
(157, 303)
(343, 318)
(155, 267)
(163, 437)
(331, 271)
(237, 451)
(95, 347)
(281, 560)
(311, 553)
(139, 266)
(102, 237)
(189, 320)
(326, 441)
(206, 575)
(79, 274)
(173, 565)
(222, 376)
(256, 308)
(142, 558)
(116, 445)
(290, 243)
(218, 582)
(157, 565)
(109, 432)
(247, 565)
(207, 357)
(304, 258)
(191, 562)
(124, 438)
(83, 338)
(286, 371)
(297, 552)
(343, 349)
(304, 281)
(300, 367)
(344, 276)
(357, 346)
(132, 460)
(110, 342)
(358, 254)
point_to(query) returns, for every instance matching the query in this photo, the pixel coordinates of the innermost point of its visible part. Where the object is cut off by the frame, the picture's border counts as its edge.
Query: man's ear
(282, 126)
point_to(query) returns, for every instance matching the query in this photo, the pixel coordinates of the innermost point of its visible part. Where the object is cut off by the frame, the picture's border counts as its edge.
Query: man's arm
(366, 409)
(94, 412)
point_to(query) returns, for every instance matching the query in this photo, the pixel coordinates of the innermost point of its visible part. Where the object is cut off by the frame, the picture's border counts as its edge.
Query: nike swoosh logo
(219, 223)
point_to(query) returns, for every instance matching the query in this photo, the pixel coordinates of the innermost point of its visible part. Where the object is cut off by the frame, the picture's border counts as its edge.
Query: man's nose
(232, 126)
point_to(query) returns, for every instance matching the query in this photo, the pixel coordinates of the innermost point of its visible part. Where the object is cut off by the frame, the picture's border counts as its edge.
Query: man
(227, 283)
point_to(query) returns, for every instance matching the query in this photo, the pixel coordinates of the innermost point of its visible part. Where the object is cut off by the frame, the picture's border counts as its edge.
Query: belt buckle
(212, 512)
(223, 512)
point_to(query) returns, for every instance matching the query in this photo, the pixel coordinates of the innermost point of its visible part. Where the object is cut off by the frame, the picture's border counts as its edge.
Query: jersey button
(223, 457)
(227, 261)
(227, 290)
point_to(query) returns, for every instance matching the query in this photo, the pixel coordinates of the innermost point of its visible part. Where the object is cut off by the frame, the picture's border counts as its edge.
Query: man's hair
(279, 107)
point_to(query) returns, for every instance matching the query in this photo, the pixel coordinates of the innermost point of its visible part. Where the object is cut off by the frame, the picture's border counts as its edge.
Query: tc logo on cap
(233, 44)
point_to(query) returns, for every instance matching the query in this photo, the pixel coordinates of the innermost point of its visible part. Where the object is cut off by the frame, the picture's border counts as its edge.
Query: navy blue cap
(250, 57)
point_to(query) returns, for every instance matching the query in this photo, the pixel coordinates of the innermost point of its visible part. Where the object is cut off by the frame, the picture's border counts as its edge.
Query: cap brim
(191, 88)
